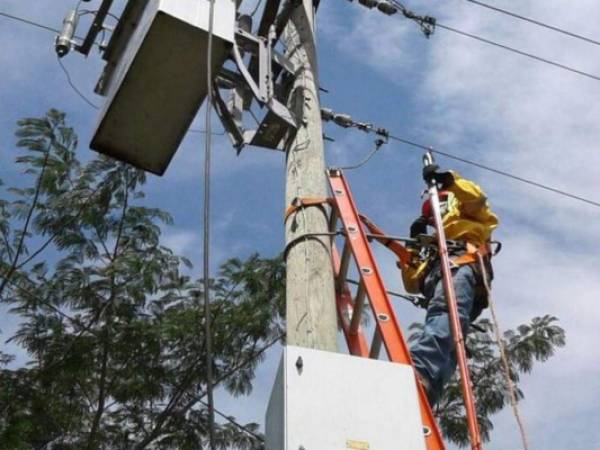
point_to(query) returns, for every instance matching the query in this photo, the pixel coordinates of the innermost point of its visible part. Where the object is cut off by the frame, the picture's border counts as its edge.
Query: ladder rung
(359, 303)
(375, 345)
(344, 263)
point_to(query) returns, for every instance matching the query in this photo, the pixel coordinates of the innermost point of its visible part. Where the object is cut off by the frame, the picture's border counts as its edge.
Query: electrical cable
(366, 159)
(206, 243)
(496, 171)
(518, 52)
(36, 24)
(29, 22)
(426, 23)
(346, 121)
(433, 23)
(83, 97)
(258, 3)
(535, 22)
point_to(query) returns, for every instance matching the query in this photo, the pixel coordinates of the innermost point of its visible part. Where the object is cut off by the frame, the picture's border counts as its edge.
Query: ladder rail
(454, 319)
(387, 325)
(356, 341)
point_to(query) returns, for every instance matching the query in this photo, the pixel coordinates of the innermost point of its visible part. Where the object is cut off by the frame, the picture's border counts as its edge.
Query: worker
(468, 223)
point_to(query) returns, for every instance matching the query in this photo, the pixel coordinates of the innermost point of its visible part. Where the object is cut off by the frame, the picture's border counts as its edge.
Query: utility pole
(310, 295)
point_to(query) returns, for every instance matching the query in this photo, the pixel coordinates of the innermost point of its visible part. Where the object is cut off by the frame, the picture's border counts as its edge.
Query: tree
(112, 326)
(524, 346)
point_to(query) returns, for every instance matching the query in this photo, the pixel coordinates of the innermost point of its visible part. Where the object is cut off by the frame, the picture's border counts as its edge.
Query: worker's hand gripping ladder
(370, 286)
(459, 342)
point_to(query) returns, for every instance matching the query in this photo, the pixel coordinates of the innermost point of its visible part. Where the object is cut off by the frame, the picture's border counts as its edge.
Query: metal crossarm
(371, 287)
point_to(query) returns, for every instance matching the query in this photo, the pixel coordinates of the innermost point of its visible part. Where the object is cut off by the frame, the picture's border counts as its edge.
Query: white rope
(503, 357)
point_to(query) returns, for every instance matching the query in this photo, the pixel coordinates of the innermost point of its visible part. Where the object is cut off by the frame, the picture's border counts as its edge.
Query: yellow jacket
(468, 218)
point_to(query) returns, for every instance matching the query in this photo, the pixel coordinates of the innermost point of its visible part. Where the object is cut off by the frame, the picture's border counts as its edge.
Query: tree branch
(101, 394)
(124, 211)
(28, 219)
(56, 233)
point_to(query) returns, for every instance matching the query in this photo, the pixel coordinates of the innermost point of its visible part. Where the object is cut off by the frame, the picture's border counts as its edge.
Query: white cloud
(532, 120)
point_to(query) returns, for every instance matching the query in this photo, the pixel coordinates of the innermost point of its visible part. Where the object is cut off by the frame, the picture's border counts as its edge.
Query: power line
(496, 171)
(535, 22)
(258, 3)
(433, 23)
(35, 24)
(29, 22)
(346, 121)
(518, 52)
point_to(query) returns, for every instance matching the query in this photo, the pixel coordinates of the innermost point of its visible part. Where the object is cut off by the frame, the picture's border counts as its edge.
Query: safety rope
(503, 356)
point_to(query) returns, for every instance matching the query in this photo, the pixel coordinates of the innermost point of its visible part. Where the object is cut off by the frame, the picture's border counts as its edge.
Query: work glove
(419, 226)
(431, 173)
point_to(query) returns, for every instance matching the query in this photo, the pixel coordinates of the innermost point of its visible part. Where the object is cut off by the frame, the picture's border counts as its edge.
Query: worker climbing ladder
(350, 310)
(387, 333)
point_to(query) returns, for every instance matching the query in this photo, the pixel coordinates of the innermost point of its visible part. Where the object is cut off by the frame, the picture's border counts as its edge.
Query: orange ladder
(371, 287)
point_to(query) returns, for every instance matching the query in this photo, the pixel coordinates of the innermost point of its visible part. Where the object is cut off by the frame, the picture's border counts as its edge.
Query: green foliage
(527, 344)
(112, 325)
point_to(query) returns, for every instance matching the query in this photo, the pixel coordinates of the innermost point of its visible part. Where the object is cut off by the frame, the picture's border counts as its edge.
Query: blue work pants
(433, 353)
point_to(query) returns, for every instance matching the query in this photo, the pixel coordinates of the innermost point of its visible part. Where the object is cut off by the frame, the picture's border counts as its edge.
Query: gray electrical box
(155, 77)
(324, 400)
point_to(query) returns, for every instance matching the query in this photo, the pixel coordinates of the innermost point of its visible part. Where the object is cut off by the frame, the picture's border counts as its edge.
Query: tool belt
(469, 254)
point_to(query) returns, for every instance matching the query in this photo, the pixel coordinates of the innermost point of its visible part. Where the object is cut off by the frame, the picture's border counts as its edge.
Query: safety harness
(465, 252)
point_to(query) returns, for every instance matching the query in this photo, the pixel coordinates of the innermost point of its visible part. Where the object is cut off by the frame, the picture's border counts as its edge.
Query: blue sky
(456, 94)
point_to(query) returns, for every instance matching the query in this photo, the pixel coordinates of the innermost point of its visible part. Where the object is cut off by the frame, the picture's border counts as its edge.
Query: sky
(453, 93)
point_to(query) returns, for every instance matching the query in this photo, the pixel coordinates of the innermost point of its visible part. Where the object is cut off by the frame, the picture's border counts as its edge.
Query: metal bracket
(279, 120)
(97, 26)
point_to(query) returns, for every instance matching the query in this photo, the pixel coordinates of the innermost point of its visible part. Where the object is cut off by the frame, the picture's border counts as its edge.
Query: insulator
(343, 120)
(383, 132)
(327, 114)
(369, 3)
(64, 40)
(364, 126)
(387, 8)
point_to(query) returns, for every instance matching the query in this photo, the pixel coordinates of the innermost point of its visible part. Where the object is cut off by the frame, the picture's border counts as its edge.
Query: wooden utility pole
(310, 311)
